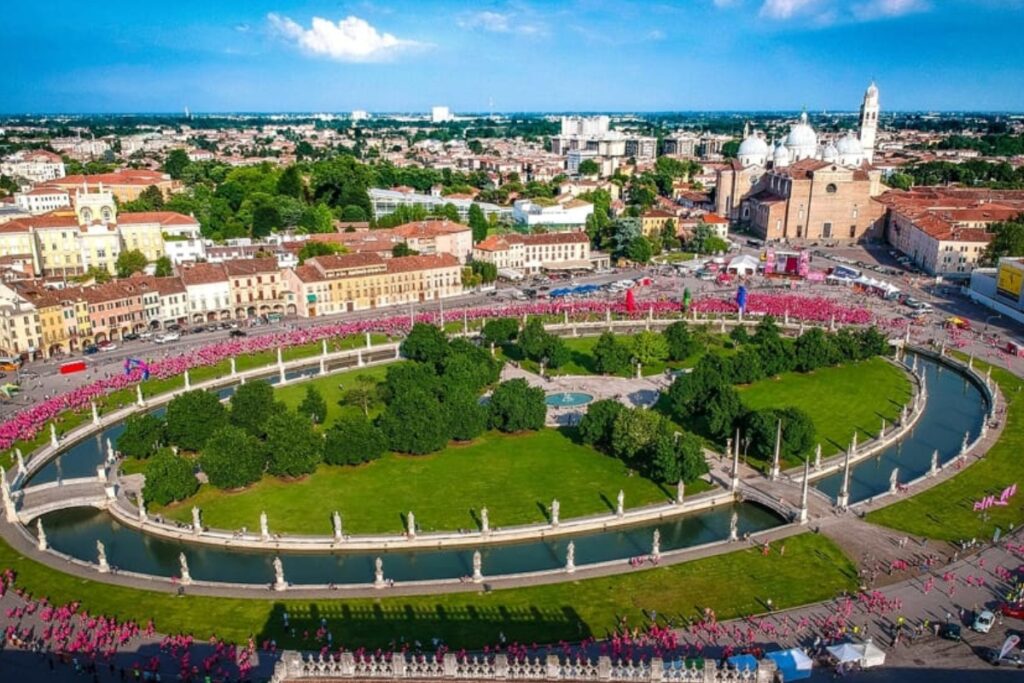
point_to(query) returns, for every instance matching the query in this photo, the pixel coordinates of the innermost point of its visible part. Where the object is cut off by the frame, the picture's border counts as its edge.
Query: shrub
(415, 422)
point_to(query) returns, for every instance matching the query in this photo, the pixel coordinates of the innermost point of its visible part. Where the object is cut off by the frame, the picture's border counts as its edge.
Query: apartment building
(34, 166)
(514, 255)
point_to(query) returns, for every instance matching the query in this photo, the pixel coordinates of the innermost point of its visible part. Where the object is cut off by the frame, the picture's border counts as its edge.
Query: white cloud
(880, 9)
(656, 34)
(349, 40)
(829, 12)
(785, 9)
(488, 21)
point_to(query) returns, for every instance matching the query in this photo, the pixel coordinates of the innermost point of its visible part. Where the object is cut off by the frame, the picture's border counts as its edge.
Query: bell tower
(869, 121)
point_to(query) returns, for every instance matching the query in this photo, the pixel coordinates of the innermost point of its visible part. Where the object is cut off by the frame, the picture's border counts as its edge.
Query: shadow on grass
(422, 623)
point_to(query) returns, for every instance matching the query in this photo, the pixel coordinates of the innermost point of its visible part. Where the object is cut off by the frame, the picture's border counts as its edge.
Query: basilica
(805, 188)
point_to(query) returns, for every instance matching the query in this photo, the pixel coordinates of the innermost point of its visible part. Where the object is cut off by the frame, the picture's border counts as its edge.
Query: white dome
(830, 153)
(802, 140)
(753, 146)
(781, 156)
(849, 145)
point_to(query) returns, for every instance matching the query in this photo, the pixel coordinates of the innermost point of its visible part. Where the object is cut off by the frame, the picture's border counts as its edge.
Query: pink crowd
(28, 423)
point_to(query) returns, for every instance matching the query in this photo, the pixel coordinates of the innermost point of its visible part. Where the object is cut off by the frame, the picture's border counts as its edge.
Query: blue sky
(584, 55)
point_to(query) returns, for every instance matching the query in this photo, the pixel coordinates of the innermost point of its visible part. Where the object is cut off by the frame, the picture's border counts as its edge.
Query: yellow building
(653, 222)
(141, 232)
(20, 330)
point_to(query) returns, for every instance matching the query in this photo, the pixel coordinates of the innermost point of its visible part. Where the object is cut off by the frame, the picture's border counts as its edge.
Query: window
(831, 188)
(826, 230)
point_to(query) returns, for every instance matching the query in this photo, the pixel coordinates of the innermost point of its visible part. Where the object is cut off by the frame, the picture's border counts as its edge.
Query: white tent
(742, 265)
(873, 655)
(845, 652)
(866, 654)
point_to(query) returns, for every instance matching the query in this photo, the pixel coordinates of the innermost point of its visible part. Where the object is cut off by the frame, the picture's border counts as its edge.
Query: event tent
(743, 265)
(793, 664)
(866, 654)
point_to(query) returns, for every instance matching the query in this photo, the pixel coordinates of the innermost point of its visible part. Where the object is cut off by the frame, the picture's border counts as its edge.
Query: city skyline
(704, 55)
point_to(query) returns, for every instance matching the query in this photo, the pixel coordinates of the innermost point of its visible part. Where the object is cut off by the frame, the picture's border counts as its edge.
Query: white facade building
(42, 200)
(440, 115)
(570, 214)
(36, 166)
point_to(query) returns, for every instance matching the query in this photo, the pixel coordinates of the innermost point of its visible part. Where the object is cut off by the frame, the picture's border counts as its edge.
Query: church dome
(830, 154)
(753, 146)
(781, 155)
(802, 140)
(848, 145)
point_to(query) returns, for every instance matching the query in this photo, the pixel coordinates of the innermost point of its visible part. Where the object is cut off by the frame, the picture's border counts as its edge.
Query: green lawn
(733, 585)
(332, 387)
(515, 476)
(855, 396)
(947, 511)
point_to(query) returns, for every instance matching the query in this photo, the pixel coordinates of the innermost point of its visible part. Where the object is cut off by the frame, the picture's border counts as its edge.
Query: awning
(845, 652)
(568, 265)
(793, 664)
(741, 662)
(510, 274)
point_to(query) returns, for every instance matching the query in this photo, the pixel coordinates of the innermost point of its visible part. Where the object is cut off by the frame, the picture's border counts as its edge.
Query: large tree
(313, 405)
(681, 343)
(633, 432)
(611, 356)
(130, 261)
(649, 347)
(467, 418)
(176, 163)
(500, 330)
(1007, 240)
(294, 447)
(427, 344)
(415, 422)
(251, 407)
(516, 406)
(477, 223)
(142, 436)
(352, 440)
(233, 458)
(169, 477)
(595, 428)
(193, 417)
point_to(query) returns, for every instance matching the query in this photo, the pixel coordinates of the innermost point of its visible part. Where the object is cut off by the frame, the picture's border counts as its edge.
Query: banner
(1009, 279)
(1008, 645)
(741, 298)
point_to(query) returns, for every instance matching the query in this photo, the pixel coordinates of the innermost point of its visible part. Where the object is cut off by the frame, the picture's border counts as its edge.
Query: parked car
(1011, 658)
(90, 349)
(167, 337)
(237, 333)
(107, 346)
(145, 335)
(950, 631)
(983, 622)
(131, 336)
(1014, 610)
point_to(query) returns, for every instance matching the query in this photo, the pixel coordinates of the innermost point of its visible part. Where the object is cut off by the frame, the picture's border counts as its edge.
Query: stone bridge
(36, 501)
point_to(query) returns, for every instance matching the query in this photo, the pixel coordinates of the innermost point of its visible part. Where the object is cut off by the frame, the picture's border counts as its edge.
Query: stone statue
(477, 565)
(264, 529)
(53, 435)
(101, 552)
(656, 544)
(142, 508)
(138, 395)
(40, 534)
(734, 524)
(893, 479)
(903, 415)
(21, 462)
(965, 444)
(485, 522)
(336, 519)
(186, 577)
(853, 444)
(111, 457)
(620, 503)
(881, 432)
(680, 492)
(817, 457)
(95, 413)
(378, 573)
(5, 493)
(197, 523)
(410, 522)
(555, 509)
(279, 582)
(935, 462)
(570, 558)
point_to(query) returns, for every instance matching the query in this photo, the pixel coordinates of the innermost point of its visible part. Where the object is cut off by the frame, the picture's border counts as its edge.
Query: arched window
(831, 188)
(86, 215)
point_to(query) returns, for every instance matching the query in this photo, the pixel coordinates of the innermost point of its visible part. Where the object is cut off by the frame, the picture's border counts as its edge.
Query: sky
(510, 56)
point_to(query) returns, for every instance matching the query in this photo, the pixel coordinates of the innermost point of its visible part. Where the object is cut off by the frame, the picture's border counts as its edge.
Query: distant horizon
(513, 56)
(509, 113)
